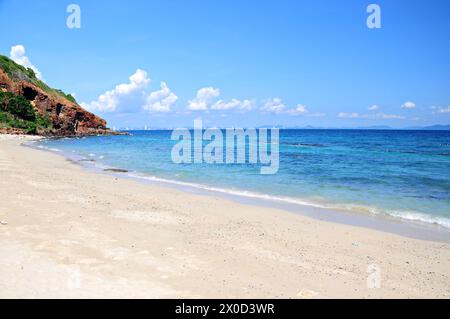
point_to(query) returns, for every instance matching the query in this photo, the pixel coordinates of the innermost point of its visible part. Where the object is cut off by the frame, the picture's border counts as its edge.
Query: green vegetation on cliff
(28, 105)
(19, 73)
(17, 112)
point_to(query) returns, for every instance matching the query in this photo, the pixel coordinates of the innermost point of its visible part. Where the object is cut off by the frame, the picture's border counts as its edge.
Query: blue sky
(241, 63)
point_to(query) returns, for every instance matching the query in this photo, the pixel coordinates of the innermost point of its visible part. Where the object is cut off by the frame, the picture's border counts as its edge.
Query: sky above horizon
(162, 64)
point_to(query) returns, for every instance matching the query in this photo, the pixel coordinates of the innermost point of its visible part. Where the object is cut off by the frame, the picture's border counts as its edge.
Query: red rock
(68, 118)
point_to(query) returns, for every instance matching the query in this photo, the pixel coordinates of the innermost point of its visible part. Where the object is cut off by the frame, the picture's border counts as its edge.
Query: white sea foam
(423, 218)
(228, 191)
(403, 215)
(410, 216)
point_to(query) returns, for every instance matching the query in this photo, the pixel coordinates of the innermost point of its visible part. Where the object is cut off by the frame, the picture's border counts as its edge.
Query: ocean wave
(402, 215)
(419, 217)
(228, 191)
(410, 216)
(302, 144)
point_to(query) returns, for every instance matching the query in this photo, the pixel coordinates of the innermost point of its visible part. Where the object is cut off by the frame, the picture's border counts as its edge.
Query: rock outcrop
(66, 116)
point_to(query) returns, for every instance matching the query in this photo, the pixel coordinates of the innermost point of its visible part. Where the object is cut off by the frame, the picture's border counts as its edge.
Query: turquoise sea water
(405, 174)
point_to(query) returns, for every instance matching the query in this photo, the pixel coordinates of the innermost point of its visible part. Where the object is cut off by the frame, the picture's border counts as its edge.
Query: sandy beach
(67, 232)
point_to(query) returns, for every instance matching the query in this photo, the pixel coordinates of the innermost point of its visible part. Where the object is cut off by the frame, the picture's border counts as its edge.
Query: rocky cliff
(59, 113)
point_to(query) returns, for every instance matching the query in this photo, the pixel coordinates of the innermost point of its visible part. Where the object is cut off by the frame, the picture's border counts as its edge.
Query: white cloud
(274, 105)
(370, 116)
(161, 100)
(222, 105)
(373, 108)
(206, 99)
(203, 99)
(299, 110)
(110, 100)
(408, 105)
(245, 105)
(344, 115)
(138, 80)
(441, 109)
(18, 55)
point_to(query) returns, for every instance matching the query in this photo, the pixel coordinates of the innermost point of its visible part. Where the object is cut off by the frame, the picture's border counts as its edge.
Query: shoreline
(385, 223)
(416, 229)
(74, 233)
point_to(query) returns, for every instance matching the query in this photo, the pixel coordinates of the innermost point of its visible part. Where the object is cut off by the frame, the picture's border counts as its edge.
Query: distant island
(376, 127)
(29, 106)
(309, 127)
(432, 128)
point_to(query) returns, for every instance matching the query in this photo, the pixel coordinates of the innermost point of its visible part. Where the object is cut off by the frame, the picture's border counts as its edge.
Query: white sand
(68, 232)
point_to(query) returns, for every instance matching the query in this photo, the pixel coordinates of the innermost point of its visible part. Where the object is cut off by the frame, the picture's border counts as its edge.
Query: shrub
(17, 105)
(17, 112)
